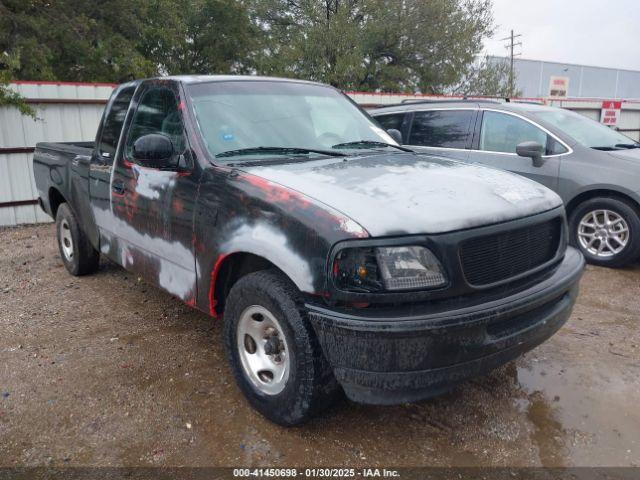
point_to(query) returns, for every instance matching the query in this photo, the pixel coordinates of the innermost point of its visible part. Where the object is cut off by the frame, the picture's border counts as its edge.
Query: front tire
(78, 255)
(606, 230)
(274, 354)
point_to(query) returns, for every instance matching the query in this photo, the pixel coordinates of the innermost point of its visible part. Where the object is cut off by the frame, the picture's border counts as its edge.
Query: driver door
(495, 145)
(153, 207)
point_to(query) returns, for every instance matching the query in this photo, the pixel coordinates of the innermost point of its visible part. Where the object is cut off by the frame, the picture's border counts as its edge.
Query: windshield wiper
(618, 146)
(606, 149)
(369, 143)
(278, 151)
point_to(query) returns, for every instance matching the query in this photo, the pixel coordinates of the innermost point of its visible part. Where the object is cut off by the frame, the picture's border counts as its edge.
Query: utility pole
(511, 45)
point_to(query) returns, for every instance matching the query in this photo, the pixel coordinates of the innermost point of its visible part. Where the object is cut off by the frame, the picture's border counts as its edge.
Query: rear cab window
(393, 120)
(441, 128)
(502, 132)
(112, 126)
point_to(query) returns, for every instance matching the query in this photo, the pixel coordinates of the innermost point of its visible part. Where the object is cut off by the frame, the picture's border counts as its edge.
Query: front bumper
(384, 359)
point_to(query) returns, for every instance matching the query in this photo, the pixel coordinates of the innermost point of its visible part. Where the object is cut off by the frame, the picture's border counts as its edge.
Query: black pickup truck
(340, 260)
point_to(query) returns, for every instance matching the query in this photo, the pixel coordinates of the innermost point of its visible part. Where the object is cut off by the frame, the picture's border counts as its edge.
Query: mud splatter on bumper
(389, 360)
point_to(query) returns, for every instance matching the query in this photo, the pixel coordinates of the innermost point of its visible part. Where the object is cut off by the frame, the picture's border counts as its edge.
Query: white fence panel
(66, 112)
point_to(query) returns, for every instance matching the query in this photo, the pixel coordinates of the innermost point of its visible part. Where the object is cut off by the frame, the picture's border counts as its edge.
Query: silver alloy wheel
(263, 350)
(66, 240)
(603, 233)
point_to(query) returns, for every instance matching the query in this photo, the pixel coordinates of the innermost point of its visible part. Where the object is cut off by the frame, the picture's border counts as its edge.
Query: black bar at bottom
(324, 473)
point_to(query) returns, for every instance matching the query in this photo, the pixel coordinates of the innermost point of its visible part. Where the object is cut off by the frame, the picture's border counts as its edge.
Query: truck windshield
(586, 131)
(267, 118)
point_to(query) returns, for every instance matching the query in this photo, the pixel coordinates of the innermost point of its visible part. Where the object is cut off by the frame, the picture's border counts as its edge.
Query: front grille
(491, 258)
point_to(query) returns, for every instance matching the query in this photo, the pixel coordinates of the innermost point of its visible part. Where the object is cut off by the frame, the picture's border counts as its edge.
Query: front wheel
(607, 231)
(274, 354)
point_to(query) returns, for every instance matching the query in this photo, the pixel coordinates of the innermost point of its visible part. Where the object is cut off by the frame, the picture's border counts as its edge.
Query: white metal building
(585, 81)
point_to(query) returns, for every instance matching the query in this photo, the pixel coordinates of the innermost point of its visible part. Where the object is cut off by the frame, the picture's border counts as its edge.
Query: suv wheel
(274, 354)
(78, 255)
(606, 230)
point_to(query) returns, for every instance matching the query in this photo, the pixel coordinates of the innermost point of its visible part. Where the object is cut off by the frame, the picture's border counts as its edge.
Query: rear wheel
(606, 230)
(274, 354)
(78, 255)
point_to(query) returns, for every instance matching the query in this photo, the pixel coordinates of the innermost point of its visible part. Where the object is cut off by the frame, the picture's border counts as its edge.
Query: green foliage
(372, 45)
(487, 78)
(198, 36)
(310, 39)
(8, 97)
(75, 40)
(426, 46)
(118, 40)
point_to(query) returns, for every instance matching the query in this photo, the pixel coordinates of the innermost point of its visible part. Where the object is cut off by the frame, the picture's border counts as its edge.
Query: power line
(511, 45)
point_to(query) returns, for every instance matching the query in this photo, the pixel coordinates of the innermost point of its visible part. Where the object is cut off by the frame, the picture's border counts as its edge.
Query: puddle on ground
(579, 415)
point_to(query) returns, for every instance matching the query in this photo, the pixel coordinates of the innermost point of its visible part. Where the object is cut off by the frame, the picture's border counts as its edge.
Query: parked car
(595, 169)
(338, 259)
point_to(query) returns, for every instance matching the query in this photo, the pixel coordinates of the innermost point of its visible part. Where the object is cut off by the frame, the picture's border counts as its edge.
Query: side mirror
(396, 135)
(154, 151)
(532, 150)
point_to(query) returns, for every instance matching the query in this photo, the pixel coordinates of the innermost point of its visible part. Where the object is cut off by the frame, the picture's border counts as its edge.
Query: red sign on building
(610, 113)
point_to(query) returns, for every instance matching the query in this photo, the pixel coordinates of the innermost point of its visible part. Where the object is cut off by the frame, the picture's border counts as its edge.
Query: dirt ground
(105, 370)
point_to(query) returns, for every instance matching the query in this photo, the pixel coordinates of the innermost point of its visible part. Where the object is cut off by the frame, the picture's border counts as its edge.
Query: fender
(266, 241)
(278, 224)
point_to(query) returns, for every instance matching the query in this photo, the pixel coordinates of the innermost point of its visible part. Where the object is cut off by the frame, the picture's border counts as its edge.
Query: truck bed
(68, 148)
(61, 171)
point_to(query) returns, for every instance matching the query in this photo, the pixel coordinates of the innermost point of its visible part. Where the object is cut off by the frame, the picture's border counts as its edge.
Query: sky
(603, 33)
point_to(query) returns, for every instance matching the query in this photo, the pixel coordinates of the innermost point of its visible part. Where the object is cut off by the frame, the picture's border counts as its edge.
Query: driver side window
(502, 133)
(157, 113)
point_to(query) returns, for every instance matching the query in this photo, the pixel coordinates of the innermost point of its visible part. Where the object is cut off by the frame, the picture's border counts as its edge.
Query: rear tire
(274, 354)
(606, 230)
(78, 255)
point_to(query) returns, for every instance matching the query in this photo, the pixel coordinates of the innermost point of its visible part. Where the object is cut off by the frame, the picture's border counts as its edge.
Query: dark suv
(595, 169)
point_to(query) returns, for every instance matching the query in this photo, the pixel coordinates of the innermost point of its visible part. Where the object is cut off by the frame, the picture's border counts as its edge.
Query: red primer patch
(275, 193)
(360, 304)
(198, 246)
(178, 206)
(291, 199)
(212, 285)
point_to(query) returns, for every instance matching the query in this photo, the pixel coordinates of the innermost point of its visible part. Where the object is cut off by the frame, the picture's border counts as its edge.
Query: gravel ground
(105, 370)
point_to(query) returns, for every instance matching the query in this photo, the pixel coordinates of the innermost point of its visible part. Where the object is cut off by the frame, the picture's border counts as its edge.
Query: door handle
(118, 187)
(81, 160)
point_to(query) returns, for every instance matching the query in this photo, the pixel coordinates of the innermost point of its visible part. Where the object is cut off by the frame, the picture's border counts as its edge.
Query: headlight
(409, 268)
(387, 268)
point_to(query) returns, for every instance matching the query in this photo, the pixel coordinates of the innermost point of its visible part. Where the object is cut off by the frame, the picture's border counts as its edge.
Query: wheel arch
(228, 269)
(598, 193)
(55, 198)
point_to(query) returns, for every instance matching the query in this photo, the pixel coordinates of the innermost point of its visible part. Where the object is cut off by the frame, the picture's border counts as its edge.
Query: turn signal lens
(356, 270)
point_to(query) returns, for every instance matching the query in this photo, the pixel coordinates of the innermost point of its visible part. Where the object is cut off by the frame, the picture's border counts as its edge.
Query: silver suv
(595, 169)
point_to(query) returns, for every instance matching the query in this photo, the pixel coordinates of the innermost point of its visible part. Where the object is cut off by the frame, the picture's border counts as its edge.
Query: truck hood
(410, 193)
